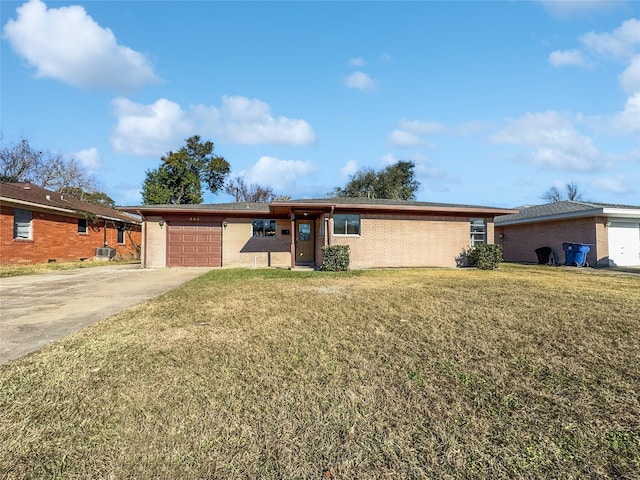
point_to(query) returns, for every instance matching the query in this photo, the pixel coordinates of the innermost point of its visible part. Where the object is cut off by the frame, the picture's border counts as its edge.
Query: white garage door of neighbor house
(624, 244)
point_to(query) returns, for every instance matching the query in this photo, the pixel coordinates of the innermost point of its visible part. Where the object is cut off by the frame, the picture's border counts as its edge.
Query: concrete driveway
(37, 309)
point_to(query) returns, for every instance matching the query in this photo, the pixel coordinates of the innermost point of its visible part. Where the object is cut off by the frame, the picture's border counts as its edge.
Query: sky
(494, 102)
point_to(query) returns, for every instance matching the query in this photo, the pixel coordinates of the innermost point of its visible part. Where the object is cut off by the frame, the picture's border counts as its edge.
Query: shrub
(485, 256)
(335, 258)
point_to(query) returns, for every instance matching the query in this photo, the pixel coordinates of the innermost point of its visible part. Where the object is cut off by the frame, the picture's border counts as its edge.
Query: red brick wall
(56, 237)
(520, 241)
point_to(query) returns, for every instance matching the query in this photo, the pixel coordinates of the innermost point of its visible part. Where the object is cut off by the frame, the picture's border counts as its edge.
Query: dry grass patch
(19, 270)
(517, 373)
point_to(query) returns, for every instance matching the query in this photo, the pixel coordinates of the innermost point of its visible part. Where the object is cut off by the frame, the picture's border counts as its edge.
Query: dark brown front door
(305, 246)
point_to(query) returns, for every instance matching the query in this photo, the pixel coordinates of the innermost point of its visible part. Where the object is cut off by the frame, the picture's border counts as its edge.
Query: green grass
(523, 372)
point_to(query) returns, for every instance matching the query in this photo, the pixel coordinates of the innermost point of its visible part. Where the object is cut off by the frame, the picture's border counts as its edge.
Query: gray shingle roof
(209, 207)
(376, 201)
(31, 194)
(560, 210)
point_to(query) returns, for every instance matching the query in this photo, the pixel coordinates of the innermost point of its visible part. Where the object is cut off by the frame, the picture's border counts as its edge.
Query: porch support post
(293, 238)
(329, 230)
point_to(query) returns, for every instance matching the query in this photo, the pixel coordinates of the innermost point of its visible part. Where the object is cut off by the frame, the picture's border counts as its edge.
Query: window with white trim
(120, 238)
(83, 226)
(346, 224)
(264, 228)
(22, 224)
(478, 234)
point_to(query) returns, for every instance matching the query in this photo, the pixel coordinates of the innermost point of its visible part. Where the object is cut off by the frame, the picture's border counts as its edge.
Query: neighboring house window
(22, 224)
(82, 225)
(264, 228)
(346, 224)
(478, 231)
(121, 234)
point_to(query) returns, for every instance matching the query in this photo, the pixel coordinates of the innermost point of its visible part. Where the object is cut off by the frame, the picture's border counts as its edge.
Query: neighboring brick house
(38, 225)
(380, 233)
(611, 231)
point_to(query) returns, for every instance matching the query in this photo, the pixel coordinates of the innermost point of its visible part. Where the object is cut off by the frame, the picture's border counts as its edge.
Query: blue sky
(495, 102)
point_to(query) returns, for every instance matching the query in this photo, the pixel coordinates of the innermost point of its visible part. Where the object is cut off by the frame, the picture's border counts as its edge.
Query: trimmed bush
(485, 256)
(335, 258)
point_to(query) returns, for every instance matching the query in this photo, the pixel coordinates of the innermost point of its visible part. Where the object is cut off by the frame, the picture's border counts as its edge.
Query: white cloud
(89, 158)
(401, 138)
(630, 78)
(566, 9)
(152, 130)
(281, 175)
(357, 62)
(361, 81)
(349, 169)
(561, 58)
(621, 44)
(627, 122)
(618, 184)
(67, 44)
(556, 142)
(249, 122)
(410, 132)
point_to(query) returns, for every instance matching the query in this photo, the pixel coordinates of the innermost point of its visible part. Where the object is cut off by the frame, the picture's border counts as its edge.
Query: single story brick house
(612, 231)
(291, 233)
(38, 226)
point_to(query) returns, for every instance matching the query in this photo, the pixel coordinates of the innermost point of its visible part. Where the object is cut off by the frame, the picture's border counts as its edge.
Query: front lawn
(523, 372)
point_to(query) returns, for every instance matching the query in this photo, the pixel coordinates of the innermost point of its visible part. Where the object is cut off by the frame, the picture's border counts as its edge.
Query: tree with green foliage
(181, 175)
(395, 182)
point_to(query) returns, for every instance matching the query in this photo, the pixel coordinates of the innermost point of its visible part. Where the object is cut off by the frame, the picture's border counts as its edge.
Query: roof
(29, 195)
(211, 208)
(282, 207)
(568, 209)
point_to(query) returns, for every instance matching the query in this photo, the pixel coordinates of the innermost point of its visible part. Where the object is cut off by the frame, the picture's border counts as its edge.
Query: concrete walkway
(37, 309)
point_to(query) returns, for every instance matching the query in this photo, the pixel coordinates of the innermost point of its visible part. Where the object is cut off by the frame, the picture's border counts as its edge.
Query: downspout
(330, 229)
(105, 233)
(293, 238)
(144, 242)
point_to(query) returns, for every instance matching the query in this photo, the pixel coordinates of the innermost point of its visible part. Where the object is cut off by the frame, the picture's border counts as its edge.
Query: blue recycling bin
(575, 254)
(580, 256)
(569, 253)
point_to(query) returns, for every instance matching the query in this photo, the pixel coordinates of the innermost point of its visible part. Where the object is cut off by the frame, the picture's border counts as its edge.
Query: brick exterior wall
(56, 237)
(241, 249)
(520, 241)
(408, 241)
(154, 243)
(385, 241)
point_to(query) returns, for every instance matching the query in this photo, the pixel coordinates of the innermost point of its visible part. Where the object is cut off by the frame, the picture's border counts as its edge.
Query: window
(264, 228)
(22, 224)
(346, 224)
(478, 231)
(120, 233)
(82, 225)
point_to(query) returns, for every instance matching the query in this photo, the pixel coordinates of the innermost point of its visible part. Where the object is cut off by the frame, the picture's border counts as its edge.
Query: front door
(305, 247)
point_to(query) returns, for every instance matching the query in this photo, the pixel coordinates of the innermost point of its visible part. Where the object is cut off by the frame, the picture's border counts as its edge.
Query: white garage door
(624, 244)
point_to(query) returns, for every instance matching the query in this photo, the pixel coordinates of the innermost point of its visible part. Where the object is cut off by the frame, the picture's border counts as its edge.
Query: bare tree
(241, 192)
(21, 163)
(555, 195)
